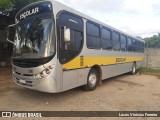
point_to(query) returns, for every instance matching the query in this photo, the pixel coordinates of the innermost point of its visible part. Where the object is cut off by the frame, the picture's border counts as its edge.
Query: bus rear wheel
(133, 69)
(92, 80)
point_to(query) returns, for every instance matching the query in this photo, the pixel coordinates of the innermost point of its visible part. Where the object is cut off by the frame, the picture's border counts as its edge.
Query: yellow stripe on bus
(91, 61)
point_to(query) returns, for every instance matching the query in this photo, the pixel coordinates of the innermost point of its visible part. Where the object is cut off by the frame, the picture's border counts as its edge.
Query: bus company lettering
(29, 12)
(120, 60)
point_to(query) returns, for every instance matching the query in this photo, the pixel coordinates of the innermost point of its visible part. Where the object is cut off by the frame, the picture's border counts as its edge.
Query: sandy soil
(122, 93)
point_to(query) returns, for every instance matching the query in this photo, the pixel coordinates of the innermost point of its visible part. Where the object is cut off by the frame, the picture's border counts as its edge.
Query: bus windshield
(34, 39)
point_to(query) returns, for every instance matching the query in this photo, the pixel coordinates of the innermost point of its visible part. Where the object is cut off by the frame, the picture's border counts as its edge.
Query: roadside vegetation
(11, 7)
(149, 71)
(153, 42)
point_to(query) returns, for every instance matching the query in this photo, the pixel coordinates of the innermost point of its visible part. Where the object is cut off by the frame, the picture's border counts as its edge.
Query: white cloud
(94, 5)
(131, 16)
(138, 6)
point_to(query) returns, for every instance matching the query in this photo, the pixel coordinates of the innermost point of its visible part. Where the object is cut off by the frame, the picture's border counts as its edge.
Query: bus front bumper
(47, 84)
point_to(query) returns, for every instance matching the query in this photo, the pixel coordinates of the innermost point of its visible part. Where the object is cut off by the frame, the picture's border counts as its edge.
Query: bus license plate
(22, 81)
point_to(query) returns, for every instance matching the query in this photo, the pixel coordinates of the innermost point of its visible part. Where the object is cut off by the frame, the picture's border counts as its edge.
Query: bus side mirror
(67, 34)
(10, 30)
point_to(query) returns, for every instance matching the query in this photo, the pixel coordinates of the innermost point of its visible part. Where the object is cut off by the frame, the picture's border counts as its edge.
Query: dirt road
(122, 93)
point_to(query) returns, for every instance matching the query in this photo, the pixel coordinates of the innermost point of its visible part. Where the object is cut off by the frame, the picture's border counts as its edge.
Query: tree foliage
(153, 41)
(11, 7)
(6, 4)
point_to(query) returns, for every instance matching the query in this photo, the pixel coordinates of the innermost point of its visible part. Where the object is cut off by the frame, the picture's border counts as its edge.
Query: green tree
(153, 41)
(6, 4)
(11, 7)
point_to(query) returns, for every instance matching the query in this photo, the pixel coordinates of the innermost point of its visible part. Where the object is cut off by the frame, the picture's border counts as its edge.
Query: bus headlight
(44, 73)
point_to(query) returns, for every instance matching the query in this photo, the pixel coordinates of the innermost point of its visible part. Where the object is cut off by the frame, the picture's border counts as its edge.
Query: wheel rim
(92, 79)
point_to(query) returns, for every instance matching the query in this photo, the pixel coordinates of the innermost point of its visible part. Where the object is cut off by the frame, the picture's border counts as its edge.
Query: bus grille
(25, 64)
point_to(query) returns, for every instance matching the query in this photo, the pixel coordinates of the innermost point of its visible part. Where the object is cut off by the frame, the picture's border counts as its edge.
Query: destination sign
(37, 9)
(29, 12)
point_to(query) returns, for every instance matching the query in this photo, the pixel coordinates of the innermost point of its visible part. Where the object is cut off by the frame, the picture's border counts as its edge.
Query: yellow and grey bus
(57, 48)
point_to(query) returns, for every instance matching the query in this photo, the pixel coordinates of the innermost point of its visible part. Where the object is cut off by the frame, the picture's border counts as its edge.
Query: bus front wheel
(92, 80)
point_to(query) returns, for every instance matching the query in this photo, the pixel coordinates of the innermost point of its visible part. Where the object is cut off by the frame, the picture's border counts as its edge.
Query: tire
(133, 72)
(92, 80)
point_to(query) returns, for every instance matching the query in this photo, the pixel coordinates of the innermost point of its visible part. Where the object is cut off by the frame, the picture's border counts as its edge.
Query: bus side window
(77, 35)
(139, 46)
(106, 39)
(75, 42)
(93, 36)
(123, 43)
(129, 44)
(142, 46)
(135, 45)
(116, 41)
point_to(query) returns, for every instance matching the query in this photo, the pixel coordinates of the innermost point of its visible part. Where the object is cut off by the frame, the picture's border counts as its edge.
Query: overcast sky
(132, 16)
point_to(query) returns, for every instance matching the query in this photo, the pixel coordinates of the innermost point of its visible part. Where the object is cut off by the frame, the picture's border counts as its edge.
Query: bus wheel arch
(93, 79)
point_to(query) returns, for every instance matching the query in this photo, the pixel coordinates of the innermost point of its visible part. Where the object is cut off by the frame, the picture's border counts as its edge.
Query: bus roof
(71, 10)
